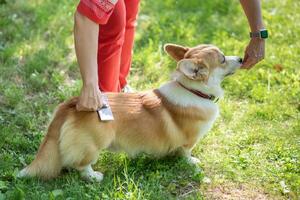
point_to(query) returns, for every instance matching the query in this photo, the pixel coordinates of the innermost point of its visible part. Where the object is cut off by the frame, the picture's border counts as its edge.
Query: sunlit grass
(253, 149)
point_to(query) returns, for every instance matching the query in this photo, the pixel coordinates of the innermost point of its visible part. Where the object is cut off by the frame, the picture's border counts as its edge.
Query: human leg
(110, 42)
(132, 7)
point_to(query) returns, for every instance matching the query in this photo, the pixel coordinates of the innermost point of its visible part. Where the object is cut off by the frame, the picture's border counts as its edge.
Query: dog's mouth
(229, 74)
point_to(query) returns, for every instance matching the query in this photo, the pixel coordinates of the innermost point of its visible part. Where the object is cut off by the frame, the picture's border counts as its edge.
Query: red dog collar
(199, 93)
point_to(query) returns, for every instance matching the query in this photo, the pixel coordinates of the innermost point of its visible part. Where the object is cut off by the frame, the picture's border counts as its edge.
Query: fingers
(99, 100)
(89, 99)
(247, 61)
(254, 53)
(86, 106)
(80, 107)
(250, 61)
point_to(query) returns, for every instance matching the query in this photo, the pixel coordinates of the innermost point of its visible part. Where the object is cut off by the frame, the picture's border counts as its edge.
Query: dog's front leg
(187, 153)
(88, 174)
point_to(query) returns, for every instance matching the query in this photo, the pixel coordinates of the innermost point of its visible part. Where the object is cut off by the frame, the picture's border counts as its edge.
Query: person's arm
(255, 51)
(86, 46)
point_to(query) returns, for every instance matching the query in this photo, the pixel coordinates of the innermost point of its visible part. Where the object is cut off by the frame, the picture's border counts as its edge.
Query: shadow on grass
(165, 177)
(140, 178)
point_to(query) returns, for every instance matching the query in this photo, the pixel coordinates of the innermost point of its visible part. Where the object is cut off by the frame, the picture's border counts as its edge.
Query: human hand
(89, 99)
(255, 52)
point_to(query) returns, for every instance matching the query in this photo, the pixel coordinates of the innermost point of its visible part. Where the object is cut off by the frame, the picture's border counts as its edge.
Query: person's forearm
(86, 46)
(252, 10)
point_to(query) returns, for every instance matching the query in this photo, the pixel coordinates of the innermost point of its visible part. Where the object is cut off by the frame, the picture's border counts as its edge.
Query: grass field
(253, 150)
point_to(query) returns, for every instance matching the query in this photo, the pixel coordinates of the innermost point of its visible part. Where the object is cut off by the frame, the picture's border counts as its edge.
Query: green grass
(253, 149)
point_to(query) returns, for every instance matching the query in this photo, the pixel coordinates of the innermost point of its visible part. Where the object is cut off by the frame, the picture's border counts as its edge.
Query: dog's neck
(212, 87)
(199, 93)
(178, 95)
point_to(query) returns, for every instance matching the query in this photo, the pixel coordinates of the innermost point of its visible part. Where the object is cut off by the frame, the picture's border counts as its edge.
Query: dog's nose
(240, 60)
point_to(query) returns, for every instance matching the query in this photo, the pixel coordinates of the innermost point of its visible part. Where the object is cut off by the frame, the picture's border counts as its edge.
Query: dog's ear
(193, 70)
(175, 51)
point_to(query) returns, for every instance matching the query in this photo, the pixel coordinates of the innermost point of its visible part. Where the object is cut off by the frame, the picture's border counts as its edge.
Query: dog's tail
(47, 163)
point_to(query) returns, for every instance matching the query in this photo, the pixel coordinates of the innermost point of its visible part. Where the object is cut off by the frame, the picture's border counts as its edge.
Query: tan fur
(47, 163)
(143, 122)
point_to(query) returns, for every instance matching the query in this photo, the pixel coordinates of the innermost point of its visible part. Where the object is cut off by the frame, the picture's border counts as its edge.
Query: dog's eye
(224, 59)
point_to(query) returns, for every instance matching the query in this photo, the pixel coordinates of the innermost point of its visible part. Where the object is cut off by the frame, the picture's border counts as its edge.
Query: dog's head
(203, 61)
(204, 65)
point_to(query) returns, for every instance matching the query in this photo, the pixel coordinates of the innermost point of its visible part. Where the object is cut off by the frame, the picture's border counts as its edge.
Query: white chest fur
(182, 97)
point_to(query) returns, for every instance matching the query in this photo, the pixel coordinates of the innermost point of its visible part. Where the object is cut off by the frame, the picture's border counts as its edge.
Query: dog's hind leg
(80, 143)
(84, 167)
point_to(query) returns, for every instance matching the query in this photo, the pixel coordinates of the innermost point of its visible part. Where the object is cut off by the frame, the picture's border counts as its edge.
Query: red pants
(116, 33)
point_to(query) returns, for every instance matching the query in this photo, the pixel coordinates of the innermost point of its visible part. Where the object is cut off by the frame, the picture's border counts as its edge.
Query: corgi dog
(159, 122)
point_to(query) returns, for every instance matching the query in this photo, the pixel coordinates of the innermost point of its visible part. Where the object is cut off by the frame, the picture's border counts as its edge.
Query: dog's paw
(89, 174)
(92, 176)
(193, 160)
(23, 173)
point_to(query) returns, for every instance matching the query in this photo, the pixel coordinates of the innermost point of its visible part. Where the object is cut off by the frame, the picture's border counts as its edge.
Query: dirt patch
(233, 192)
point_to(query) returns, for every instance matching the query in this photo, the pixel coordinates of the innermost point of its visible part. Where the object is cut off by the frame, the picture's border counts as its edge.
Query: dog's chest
(197, 127)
